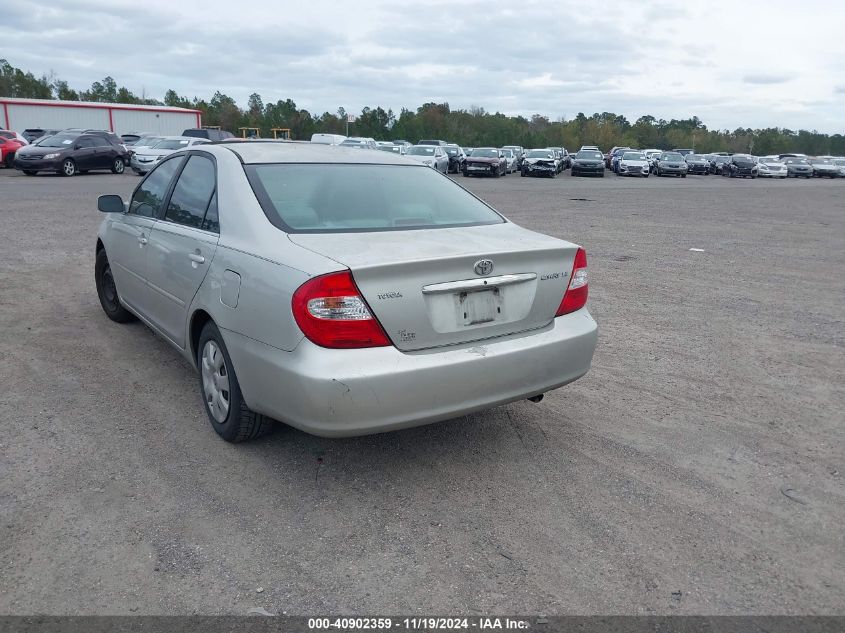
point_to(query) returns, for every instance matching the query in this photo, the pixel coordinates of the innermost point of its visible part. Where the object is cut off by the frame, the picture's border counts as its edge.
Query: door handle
(194, 257)
(142, 239)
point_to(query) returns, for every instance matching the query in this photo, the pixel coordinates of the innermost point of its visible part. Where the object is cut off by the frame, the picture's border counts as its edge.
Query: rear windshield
(339, 198)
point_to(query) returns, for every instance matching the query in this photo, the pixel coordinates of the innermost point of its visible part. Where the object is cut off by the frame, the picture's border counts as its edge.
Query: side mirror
(111, 204)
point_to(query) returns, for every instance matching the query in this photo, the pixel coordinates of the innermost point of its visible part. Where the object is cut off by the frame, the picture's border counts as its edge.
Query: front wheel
(522, 173)
(68, 167)
(107, 290)
(221, 393)
(118, 166)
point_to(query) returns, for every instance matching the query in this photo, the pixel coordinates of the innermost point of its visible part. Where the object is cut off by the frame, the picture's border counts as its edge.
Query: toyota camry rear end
(356, 293)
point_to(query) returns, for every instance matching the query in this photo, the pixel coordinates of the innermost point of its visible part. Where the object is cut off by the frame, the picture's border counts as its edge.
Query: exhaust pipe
(536, 398)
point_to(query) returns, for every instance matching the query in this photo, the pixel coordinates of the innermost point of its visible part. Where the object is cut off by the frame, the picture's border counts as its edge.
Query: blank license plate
(478, 307)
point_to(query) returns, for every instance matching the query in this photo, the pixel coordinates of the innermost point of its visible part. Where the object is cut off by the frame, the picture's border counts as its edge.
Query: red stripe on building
(111, 121)
(6, 113)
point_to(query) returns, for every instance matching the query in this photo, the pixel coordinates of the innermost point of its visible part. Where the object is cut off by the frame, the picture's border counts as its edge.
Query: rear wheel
(107, 290)
(221, 393)
(118, 166)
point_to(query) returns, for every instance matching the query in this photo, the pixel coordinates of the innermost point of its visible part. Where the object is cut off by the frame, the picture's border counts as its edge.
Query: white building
(120, 118)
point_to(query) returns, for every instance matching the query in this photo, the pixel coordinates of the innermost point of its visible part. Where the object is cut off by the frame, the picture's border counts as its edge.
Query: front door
(130, 235)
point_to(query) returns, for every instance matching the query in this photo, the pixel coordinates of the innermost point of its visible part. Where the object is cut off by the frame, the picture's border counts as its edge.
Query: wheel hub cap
(215, 381)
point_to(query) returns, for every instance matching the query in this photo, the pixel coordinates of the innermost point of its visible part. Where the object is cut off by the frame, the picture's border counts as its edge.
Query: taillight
(575, 296)
(331, 312)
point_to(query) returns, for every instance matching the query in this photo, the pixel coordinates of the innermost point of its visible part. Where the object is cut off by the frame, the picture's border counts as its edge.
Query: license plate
(477, 168)
(478, 307)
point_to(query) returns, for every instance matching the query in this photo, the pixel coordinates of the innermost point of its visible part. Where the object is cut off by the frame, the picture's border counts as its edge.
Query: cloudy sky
(732, 62)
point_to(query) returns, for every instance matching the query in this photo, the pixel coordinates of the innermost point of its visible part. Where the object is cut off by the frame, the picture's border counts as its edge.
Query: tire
(68, 168)
(107, 291)
(522, 173)
(118, 166)
(10, 161)
(466, 174)
(683, 175)
(229, 415)
(29, 172)
(601, 174)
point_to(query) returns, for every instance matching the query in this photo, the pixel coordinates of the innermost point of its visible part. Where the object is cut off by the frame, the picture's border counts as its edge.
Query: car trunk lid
(437, 287)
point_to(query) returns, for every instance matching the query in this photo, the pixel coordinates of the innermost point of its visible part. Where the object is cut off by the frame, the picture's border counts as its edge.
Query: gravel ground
(697, 469)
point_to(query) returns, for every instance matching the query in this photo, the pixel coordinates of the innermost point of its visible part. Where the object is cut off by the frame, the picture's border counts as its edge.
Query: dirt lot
(698, 468)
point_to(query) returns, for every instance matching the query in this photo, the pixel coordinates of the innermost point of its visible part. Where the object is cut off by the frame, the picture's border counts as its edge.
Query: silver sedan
(338, 291)
(144, 158)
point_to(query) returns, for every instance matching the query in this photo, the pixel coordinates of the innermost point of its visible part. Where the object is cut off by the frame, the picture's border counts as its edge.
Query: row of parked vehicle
(626, 161)
(77, 150)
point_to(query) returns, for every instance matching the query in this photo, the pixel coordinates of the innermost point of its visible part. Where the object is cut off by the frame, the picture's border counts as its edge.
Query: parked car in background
(608, 158)
(823, 168)
(770, 167)
(432, 142)
(145, 158)
(299, 325)
(633, 164)
(589, 147)
(588, 162)
(519, 151)
(510, 157)
(697, 164)
(718, 163)
(14, 135)
(35, 133)
(539, 162)
(8, 148)
(433, 156)
(798, 167)
(211, 134)
(567, 159)
(359, 142)
(684, 151)
(457, 158)
(130, 139)
(70, 153)
(616, 156)
(740, 166)
(327, 139)
(486, 161)
(559, 155)
(393, 148)
(840, 166)
(670, 164)
(142, 143)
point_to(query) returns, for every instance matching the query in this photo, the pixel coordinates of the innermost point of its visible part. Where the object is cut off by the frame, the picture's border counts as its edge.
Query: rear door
(182, 245)
(104, 152)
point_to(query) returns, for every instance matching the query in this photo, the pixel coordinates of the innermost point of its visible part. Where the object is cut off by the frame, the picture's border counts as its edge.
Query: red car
(8, 147)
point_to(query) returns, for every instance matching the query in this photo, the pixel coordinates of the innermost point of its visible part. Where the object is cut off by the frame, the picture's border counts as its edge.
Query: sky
(735, 63)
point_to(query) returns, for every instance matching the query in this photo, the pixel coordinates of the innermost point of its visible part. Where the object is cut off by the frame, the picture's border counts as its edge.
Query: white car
(146, 158)
(433, 156)
(840, 163)
(770, 167)
(634, 164)
(510, 155)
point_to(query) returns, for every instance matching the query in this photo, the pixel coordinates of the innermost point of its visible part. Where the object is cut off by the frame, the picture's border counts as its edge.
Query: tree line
(474, 127)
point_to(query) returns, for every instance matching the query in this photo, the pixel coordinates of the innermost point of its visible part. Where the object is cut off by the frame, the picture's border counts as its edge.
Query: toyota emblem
(484, 267)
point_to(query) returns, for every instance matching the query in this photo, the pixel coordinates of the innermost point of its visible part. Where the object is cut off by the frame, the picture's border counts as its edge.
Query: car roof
(303, 152)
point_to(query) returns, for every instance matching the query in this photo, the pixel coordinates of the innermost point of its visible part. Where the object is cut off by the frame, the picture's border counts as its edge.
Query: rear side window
(85, 141)
(192, 194)
(100, 141)
(150, 194)
(342, 198)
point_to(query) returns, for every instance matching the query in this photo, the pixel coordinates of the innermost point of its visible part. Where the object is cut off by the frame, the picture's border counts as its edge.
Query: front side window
(338, 198)
(192, 193)
(149, 196)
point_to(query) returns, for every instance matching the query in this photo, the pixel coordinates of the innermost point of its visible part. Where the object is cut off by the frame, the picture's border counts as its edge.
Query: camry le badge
(483, 267)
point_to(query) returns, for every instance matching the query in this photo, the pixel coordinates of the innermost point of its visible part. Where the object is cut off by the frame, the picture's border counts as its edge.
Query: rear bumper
(338, 393)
